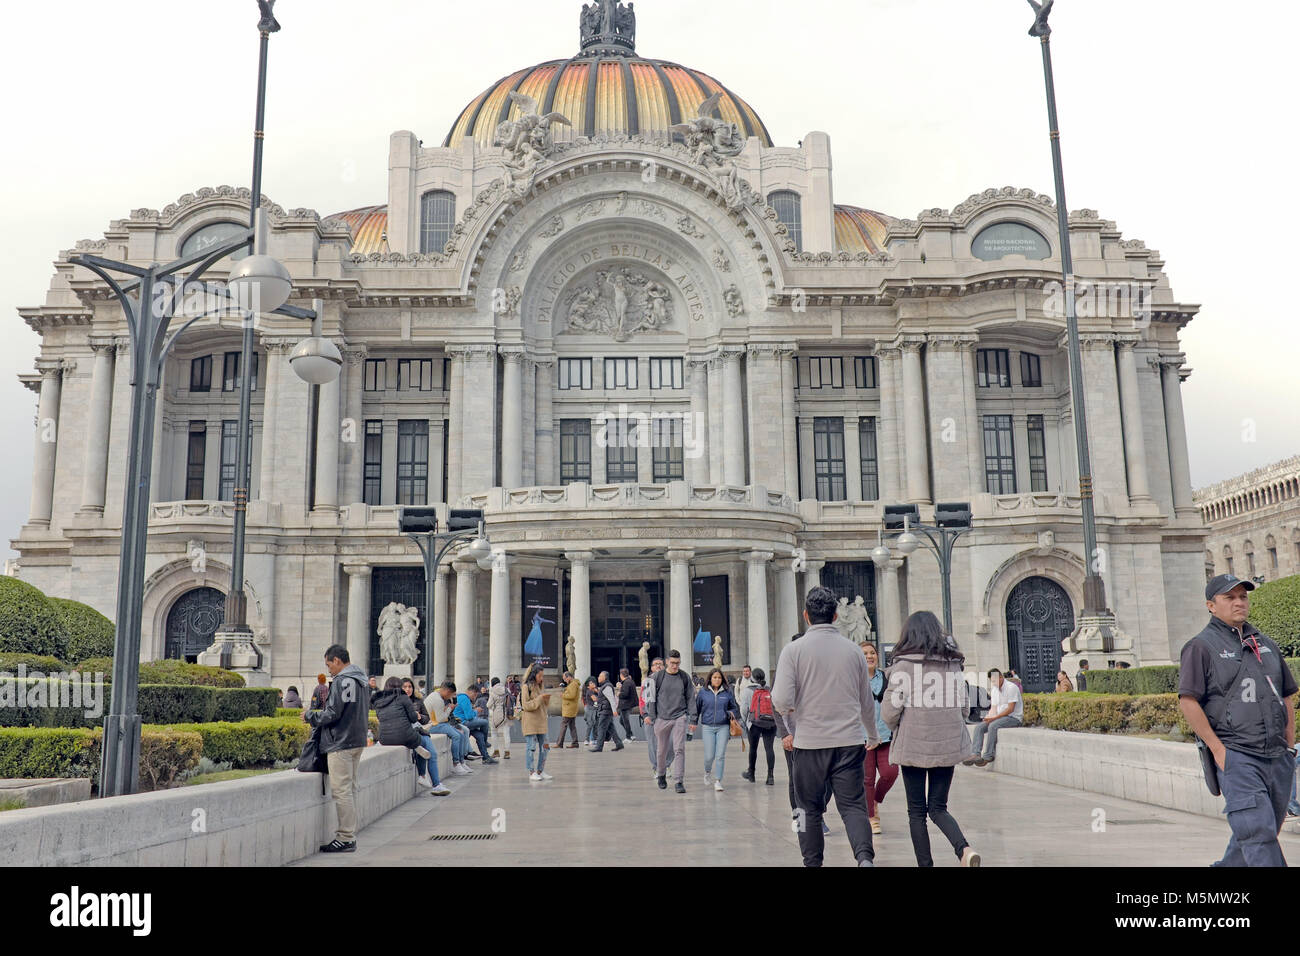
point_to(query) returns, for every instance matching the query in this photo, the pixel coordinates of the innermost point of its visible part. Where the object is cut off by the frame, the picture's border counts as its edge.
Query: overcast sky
(1177, 122)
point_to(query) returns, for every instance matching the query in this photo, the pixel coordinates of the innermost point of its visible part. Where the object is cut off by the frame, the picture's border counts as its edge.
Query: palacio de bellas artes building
(679, 371)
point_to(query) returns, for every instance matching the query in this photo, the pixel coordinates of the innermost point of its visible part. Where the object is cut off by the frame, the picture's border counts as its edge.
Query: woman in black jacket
(398, 727)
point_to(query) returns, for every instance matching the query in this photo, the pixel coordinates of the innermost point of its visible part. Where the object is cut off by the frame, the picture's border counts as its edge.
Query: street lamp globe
(316, 360)
(481, 552)
(907, 543)
(880, 555)
(259, 283)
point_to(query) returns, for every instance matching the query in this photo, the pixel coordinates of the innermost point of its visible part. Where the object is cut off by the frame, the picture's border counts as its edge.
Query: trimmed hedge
(156, 704)
(182, 672)
(9, 661)
(37, 696)
(256, 742)
(88, 633)
(1275, 610)
(62, 752)
(1158, 679)
(1109, 713)
(29, 623)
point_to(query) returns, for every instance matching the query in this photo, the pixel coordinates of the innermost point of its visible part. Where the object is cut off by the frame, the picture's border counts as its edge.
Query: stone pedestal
(398, 670)
(233, 650)
(1098, 640)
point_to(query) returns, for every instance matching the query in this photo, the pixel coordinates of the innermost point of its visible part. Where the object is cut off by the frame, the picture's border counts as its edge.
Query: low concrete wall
(267, 820)
(45, 792)
(1161, 772)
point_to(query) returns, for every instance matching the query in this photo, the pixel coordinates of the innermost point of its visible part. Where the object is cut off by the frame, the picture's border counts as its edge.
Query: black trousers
(627, 724)
(919, 806)
(826, 792)
(842, 768)
(767, 733)
(605, 729)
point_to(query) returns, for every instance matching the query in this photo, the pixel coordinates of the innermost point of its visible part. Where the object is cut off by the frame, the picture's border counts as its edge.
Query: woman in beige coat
(925, 706)
(533, 701)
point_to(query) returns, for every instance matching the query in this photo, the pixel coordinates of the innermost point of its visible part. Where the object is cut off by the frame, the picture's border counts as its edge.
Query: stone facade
(810, 389)
(1254, 522)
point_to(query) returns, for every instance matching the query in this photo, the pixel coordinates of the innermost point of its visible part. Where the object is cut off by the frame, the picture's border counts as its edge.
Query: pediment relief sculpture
(618, 302)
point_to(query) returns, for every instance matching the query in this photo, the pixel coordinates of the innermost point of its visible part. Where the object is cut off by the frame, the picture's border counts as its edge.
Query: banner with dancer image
(711, 620)
(541, 633)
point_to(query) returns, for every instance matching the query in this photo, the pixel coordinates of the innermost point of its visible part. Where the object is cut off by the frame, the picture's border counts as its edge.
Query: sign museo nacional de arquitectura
(608, 310)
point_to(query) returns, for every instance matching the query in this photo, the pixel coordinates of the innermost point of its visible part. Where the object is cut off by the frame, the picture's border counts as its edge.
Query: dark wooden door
(1039, 617)
(192, 622)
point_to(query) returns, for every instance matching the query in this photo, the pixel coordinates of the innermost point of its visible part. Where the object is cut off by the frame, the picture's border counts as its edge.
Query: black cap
(1222, 583)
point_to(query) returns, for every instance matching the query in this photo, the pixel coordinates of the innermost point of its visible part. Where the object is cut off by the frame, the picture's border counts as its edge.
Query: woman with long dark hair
(718, 712)
(929, 729)
(762, 726)
(399, 727)
(533, 701)
(877, 763)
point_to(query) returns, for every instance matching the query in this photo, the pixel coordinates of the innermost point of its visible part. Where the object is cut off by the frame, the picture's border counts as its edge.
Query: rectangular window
(620, 450)
(229, 448)
(993, 367)
(864, 371)
(446, 374)
(374, 461)
(828, 454)
(201, 374)
(1037, 454)
(376, 375)
(415, 375)
(665, 373)
(575, 450)
(999, 456)
(196, 456)
(1250, 562)
(666, 444)
(826, 371)
(1031, 373)
(575, 373)
(1231, 571)
(870, 464)
(620, 373)
(412, 462)
(230, 373)
(1272, 559)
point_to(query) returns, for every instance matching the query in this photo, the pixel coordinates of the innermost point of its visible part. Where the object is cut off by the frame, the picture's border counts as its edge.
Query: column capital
(512, 353)
(956, 341)
(357, 570)
(759, 557)
(284, 345)
(676, 555)
(1127, 340)
(472, 350)
(105, 344)
(542, 361)
(1097, 340)
(354, 354)
(771, 350)
(730, 353)
(122, 343)
(814, 566)
(49, 368)
(1174, 359)
(578, 557)
(464, 566)
(444, 569)
(908, 342)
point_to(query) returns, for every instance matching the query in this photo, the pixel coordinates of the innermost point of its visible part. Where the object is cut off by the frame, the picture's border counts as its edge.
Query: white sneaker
(459, 769)
(439, 791)
(535, 777)
(717, 785)
(630, 740)
(708, 778)
(422, 752)
(544, 775)
(423, 782)
(466, 767)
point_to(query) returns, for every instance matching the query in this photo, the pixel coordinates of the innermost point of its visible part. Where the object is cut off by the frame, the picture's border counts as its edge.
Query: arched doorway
(1039, 617)
(192, 622)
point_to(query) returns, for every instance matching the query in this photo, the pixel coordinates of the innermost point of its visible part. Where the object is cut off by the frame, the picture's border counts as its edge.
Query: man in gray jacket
(343, 724)
(670, 704)
(823, 678)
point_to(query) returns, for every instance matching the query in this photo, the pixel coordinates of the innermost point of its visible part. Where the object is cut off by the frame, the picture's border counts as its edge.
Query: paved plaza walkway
(605, 808)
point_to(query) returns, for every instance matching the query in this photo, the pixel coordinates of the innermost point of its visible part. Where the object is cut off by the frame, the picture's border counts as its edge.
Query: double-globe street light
(256, 284)
(951, 521)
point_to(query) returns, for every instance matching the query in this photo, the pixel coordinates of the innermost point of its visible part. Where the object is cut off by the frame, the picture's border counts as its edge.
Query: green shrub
(10, 660)
(181, 672)
(27, 703)
(288, 712)
(1275, 610)
(165, 756)
(256, 742)
(1109, 713)
(90, 665)
(87, 632)
(240, 703)
(29, 623)
(1160, 679)
(48, 752)
(176, 703)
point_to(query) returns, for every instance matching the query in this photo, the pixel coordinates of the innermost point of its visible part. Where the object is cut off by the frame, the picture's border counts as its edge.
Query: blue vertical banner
(710, 618)
(539, 621)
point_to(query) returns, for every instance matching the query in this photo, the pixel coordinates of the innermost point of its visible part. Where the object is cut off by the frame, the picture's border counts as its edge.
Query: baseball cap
(1222, 583)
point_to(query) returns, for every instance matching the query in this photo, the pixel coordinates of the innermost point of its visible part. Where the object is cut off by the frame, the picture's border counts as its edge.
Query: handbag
(735, 728)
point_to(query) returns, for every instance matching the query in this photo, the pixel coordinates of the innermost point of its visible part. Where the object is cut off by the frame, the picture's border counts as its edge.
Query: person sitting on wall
(477, 726)
(1006, 709)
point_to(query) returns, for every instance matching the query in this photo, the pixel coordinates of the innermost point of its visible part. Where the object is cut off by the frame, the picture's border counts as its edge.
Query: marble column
(698, 438)
(812, 576)
(354, 451)
(499, 625)
(852, 459)
(1180, 473)
(101, 413)
(974, 424)
(358, 638)
(466, 621)
(455, 423)
(679, 587)
(158, 471)
(889, 442)
(949, 399)
(889, 608)
(789, 424)
(733, 429)
(580, 609)
(47, 433)
(760, 641)
(1105, 431)
(478, 424)
(440, 624)
(767, 411)
(546, 473)
(914, 444)
(530, 423)
(272, 451)
(787, 604)
(1135, 446)
(512, 417)
(327, 447)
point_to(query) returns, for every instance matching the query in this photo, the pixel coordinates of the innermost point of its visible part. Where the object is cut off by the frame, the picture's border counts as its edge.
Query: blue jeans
(478, 729)
(715, 747)
(1293, 806)
(533, 744)
(459, 741)
(431, 764)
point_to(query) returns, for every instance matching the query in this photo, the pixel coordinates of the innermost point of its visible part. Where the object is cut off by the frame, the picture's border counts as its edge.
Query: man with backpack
(670, 700)
(606, 703)
(762, 724)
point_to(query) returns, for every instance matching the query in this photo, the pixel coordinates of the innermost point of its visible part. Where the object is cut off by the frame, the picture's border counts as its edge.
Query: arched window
(437, 216)
(788, 209)
(1227, 558)
(1249, 549)
(1209, 564)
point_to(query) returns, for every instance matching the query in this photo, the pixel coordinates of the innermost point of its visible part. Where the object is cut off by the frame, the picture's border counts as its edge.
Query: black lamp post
(951, 521)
